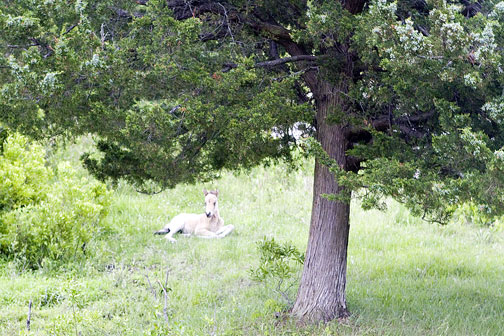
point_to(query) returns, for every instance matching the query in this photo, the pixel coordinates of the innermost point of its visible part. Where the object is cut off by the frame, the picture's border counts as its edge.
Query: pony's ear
(214, 192)
(205, 192)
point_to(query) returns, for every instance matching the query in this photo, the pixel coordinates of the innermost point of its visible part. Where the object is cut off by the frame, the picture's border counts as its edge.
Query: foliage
(24, 178)
(45, 216)
(176, 98)
(164, 110)
(452, 74)
(478, 215)
(278, 264)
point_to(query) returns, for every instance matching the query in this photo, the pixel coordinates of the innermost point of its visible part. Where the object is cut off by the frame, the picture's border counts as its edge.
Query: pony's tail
(163, 231)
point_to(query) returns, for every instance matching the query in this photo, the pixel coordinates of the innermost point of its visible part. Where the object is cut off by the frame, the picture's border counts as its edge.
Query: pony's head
(211, 202)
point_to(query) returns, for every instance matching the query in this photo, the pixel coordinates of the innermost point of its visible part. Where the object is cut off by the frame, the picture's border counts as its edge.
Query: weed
(278, 266)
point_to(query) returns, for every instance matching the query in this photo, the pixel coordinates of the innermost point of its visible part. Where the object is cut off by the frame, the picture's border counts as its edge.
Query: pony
(207, 225)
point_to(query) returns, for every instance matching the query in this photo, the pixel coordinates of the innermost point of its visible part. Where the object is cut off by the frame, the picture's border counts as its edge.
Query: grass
(405, 276)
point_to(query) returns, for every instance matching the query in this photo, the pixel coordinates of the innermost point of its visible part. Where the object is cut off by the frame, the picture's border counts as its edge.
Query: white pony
(207, 225)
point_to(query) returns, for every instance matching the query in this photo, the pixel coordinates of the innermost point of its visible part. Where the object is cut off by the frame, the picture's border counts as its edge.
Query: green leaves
(275, 259)
(327, 25)
(175, 101)
(45, 216)
(440, 63)
(23, 175)
(277, 265)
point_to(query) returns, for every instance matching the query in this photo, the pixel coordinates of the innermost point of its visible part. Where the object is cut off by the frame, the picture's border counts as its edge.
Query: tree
(402, 99)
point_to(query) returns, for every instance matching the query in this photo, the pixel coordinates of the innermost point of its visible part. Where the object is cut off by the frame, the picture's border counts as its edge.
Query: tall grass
(405, 276)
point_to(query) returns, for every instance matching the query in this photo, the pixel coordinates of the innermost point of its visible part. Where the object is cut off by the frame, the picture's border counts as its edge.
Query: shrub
(478, 215)
(49, 216)
(279, 263)
(24, 178)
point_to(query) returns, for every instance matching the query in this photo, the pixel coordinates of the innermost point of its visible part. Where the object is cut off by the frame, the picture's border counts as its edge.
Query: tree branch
(70, 28)
(184, 9)
(282, 36)
(284, 60)
(384, 123)
(15, 46)
(272, 63)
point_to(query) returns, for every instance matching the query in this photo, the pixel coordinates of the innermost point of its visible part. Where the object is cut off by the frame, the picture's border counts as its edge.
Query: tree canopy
(402, 99)
(177, 92)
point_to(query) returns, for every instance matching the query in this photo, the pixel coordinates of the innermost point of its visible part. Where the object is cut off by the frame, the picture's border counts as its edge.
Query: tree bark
(321, 293)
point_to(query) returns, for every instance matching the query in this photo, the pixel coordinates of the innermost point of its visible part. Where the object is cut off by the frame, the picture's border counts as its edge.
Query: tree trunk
(321, 293)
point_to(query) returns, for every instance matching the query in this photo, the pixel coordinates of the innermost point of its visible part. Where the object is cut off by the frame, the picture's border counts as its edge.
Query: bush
(279, 263)
(24, 178)
(49, 216)
(478, 215)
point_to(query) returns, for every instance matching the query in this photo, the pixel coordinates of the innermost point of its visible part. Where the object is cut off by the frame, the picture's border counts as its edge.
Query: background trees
(404, 100)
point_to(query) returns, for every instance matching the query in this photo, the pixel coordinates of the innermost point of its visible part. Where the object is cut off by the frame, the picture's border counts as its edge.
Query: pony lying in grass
(207, 225)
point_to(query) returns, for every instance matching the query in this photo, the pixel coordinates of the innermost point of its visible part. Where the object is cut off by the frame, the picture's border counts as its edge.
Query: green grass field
(405, 276)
